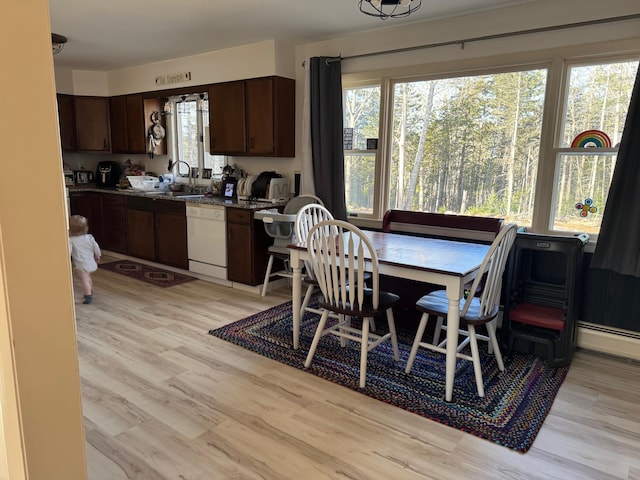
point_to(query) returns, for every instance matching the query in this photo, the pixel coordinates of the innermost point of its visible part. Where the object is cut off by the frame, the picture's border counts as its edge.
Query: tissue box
(144, 182)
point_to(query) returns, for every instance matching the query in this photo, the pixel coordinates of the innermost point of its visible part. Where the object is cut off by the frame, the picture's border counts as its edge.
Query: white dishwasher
(207, 240)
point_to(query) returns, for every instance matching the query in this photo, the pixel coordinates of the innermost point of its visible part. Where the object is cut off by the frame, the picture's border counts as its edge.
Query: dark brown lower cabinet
(157, 230)
(171, 239)
(247, 244)
(88, 204)
(114, 223)
(141, 234)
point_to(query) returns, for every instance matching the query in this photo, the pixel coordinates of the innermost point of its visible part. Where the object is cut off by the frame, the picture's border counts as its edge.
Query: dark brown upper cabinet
(126, 113)
(227, 124)
(254, 117)
(130, 119)
(92, 124)
(67, 119)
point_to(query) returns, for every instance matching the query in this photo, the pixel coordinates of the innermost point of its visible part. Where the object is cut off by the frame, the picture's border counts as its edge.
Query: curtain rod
(490, 37)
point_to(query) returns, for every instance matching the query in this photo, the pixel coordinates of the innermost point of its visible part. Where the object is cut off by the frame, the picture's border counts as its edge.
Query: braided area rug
(511, 413)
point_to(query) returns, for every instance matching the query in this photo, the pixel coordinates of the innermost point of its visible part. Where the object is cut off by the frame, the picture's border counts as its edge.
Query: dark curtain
(614, 276)
(326, 133)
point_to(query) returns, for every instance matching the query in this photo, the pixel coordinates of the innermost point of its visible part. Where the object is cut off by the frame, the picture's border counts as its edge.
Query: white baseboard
(602, 339)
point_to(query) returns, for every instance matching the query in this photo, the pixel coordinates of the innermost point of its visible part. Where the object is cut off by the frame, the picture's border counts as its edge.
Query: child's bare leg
(87, 285)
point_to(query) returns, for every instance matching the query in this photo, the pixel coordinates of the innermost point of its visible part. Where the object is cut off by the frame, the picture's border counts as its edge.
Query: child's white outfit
(84, 249)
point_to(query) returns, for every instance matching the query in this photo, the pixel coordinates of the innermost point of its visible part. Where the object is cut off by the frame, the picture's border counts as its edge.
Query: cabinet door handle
(252, 142)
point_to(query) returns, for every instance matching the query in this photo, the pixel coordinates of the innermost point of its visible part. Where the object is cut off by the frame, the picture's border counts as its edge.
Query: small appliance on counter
(107, 174)
(278, 189)
(82, 177)
(69, 177)
(269, 186)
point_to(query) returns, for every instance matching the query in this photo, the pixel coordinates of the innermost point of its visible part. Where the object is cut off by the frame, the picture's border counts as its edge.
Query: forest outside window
(467, 145)
(595, 109)
(361, 123)
(485, 144)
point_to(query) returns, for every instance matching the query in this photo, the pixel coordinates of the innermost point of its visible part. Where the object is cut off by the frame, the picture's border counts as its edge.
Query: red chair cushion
(538, 316)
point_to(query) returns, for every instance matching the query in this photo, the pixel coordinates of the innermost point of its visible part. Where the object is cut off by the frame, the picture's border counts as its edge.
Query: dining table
(448, 263)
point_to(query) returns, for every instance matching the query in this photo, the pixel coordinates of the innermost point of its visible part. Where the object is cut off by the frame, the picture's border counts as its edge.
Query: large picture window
(467, 145)
(485, 143)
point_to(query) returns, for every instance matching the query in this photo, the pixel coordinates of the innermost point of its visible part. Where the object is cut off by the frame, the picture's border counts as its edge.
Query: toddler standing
(85, 253)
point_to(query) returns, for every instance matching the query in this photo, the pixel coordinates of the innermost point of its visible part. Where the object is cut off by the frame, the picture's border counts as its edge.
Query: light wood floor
(162, 399)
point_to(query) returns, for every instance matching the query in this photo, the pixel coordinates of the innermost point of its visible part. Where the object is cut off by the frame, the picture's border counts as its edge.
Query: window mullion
(551, 119)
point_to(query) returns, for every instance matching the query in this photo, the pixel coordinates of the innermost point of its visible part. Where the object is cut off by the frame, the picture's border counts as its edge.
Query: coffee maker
(107, 174)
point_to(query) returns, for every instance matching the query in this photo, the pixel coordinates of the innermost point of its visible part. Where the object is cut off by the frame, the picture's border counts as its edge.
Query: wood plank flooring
(162, 399)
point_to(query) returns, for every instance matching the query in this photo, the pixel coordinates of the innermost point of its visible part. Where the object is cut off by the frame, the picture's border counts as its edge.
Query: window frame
(202, 121)
(557, 66)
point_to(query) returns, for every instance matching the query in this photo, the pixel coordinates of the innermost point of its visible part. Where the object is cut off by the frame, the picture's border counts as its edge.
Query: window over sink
(188, 137)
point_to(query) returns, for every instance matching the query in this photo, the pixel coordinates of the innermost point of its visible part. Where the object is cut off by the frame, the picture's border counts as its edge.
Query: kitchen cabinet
(247, 244)
(67, 119)
(88, 204)
(106, 215)
(126, 119)
(141, 234)
(227, 129)
(92, 123)
(157, 230)
(130, 120)
(254, 117)
(171, 238)
(114, 222)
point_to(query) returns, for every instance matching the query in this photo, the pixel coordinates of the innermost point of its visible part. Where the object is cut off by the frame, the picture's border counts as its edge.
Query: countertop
(215, 201)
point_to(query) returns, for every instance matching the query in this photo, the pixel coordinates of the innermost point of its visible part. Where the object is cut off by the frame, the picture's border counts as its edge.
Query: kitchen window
(473, 143)
(188, 137)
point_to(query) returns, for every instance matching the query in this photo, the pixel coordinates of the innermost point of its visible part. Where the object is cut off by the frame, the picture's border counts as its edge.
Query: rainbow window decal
(591, 139)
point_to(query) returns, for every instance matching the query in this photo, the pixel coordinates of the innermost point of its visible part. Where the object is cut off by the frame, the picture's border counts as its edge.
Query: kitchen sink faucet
(172, 165)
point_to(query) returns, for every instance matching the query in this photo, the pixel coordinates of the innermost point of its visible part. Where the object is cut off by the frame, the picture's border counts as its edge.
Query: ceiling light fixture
(57, 43)
(384, 9)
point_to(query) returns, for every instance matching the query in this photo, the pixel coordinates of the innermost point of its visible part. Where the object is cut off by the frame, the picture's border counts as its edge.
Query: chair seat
(386, 301)
(436, 303)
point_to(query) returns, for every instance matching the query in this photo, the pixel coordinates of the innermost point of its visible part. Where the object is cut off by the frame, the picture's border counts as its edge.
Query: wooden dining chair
(307, 217)
(474, 310)
(339, 250)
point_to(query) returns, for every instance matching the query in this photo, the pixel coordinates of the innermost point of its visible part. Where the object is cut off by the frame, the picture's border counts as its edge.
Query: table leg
(453, 323)
(296, 295)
